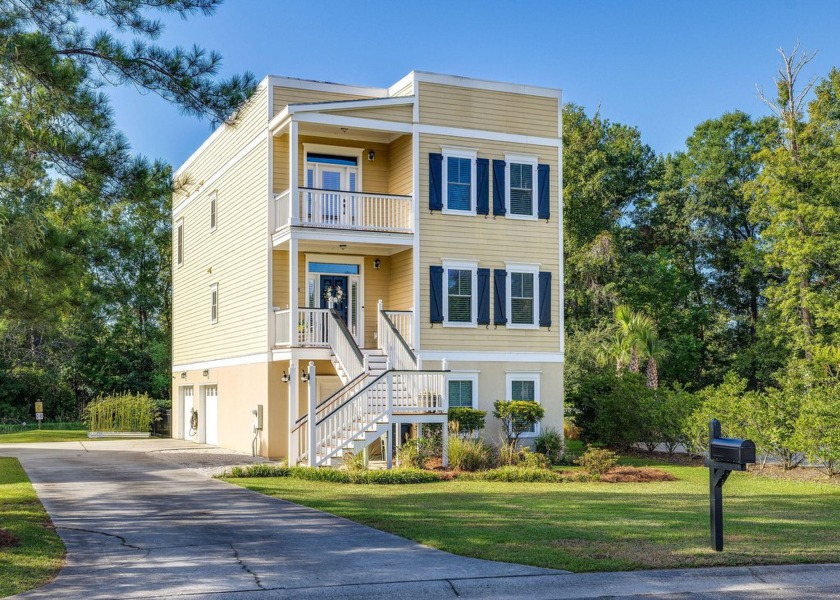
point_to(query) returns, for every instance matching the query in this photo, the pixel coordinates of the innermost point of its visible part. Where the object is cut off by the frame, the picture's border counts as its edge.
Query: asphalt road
(141, 519)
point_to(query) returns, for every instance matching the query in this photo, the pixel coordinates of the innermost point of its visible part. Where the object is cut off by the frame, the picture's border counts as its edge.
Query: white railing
(345, 210)
(281, 327)
(312, 327)
(390, 341)
(402, 320)
(344, 347)
(419, 392)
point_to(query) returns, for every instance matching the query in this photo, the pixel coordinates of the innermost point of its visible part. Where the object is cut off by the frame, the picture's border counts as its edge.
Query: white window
(459, 193)
(463, 390)
(213, 211)
(179, 243)
(459, 306)
(214, 303)
(522, 297)
(520, 186)
(524, 386)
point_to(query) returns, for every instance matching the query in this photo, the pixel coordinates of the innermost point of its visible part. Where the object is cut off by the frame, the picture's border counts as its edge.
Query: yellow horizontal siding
(281, 163)
(289, 95)
(401, 180)
(401, 292)
(492, 242)
(488, 110)
(252, 120)
(235, 257)
(399, 114)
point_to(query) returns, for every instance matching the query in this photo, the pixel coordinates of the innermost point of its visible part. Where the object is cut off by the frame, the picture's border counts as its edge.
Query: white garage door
(188, 408)
(211, 415)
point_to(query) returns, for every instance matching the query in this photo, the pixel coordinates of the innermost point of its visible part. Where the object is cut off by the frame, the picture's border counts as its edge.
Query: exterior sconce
(371, 155)
(285, 377)
(377, 263)
(206, 372)
(304, 376)
(183, 374)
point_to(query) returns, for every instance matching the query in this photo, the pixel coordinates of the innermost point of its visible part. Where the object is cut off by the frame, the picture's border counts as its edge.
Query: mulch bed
(636, 475)
(809, 474)
(8, 540)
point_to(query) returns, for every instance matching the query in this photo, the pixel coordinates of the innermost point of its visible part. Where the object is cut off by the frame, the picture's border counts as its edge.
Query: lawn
(593, 526)
(31, 552)
(44, 435)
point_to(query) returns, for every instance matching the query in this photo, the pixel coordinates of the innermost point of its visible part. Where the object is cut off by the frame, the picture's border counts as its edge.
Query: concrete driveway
(143, 519)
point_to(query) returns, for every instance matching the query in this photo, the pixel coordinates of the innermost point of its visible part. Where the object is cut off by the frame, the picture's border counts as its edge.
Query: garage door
(188, 408)
(211, 411)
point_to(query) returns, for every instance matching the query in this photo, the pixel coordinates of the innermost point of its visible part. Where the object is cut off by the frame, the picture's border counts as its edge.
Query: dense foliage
(123, 412)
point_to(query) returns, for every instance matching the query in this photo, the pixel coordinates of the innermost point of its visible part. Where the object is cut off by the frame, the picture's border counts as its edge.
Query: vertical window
(463, 390)
(213, 212)
(521, 183)
(459, 187)
(214, 303)
(522, 298)
(179, 250)
(460, 295)
(524, 386)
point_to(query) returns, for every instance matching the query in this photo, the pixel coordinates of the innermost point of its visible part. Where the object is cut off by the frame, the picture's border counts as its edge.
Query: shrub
(510, 456)
(259, 470)
(517, 417)
(353, 461)
(818, 428)
(514, 475)
(550, 444)
(598, 461)
(393, 476)
(415, 452)
(123, 412)
(468, 454)
(609, 409)
(469, 420)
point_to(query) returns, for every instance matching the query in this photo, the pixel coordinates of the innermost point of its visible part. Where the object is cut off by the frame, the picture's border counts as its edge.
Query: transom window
(459, 181)
(460, 303)
(520, 184)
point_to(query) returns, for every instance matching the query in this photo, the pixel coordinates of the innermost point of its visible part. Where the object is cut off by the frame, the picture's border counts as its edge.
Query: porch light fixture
(304, 376)
(206, 372)
(377, 263)
(285, 377)
(371, 155)
(342, 246)
(183, 374)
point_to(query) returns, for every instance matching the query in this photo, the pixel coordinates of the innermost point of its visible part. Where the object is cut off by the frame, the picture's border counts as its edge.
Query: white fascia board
(350, 104)
(482, 356)
(495, 136)
(279, 121)
(393, 89)
(326, 234)
(359, 123)
(212, 138)
(485, 84)
(323, 86)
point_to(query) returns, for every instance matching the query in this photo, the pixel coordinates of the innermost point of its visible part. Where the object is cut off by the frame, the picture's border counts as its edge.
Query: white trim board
(485, 84)
(356, 122)
(326, 86)
(492, 356)
(494, 136)
(250, 359)
(350, 104)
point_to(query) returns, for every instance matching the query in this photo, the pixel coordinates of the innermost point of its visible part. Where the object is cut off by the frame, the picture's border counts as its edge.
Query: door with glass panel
(340, 283)
(329, 179)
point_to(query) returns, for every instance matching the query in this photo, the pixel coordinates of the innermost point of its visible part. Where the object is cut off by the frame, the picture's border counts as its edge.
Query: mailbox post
(725, 455)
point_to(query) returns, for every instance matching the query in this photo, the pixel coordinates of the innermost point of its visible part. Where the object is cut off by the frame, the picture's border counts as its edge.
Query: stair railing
(393, 344)
(344, 346)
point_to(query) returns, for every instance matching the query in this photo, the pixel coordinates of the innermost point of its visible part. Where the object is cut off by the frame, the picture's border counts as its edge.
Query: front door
(335, 287)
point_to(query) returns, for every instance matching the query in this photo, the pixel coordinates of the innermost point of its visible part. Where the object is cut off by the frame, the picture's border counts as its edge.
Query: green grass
(44, 435)
(37, 555)
(593, 526)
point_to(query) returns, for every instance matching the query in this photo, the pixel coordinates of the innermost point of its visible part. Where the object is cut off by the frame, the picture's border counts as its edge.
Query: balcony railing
(311, 327)
(361, 211)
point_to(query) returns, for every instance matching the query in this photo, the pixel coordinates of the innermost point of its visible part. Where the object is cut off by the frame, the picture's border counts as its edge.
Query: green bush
(260, 470)
(469, 420)
(818, 427)
(549, 443)
(611, 409)
(517, 417)
(415, 452)
(510, 456)
(392, 476)
(469, 454)
(514, 475)
(353, 461)
(121, 412)
(598, 461)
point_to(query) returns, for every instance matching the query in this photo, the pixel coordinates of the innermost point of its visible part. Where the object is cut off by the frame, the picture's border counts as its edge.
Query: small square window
(460, 393)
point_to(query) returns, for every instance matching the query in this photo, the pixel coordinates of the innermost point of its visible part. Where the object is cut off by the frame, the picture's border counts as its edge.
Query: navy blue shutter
(435, 294)
(543, 200)
(500, 296)
(482, 175)
(499, 187)
(545, 298)
(483, 297)
(435, 184)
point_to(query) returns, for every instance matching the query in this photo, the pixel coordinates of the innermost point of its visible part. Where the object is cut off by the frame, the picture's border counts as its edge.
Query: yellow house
(372, 256)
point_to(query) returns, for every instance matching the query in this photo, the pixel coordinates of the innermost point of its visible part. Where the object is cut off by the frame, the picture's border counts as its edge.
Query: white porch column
(293, 292)
(294, 194)
(293, 413)
(311, 421)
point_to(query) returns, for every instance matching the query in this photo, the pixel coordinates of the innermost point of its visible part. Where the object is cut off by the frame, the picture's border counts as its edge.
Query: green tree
(517, 417)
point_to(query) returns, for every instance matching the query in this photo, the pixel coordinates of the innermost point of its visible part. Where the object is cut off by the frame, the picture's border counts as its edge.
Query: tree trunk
(652, 374)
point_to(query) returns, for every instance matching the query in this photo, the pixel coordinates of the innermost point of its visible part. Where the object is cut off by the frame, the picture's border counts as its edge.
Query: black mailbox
(732, 450)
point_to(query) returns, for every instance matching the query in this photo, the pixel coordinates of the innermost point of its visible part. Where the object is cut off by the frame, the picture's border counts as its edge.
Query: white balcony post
(294, 335)
(311, 421)
(444, 365)
(294, 193)
(293, 413)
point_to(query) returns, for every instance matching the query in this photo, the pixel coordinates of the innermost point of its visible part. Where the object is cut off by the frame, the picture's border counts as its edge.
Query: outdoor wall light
(285, 377)
(377, 263)
(206, 372)
(371, 155)
(304, 376)
(183, 374)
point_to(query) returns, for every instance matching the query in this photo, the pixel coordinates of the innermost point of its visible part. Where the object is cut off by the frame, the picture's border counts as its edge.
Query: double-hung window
(463, 390)
(214, 303)
(521, 180)
(524, 386)
(459, 306)
(522, 296)
(213, 211)
(459, 177)
(179, 242)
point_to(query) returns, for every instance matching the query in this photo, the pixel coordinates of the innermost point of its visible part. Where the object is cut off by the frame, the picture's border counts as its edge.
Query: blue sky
(660, 66)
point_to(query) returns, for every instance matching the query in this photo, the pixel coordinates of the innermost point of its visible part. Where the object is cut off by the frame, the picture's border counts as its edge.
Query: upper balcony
(344, 210)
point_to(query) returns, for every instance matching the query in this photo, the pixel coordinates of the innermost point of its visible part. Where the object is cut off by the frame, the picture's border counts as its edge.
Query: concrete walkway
(141, 519)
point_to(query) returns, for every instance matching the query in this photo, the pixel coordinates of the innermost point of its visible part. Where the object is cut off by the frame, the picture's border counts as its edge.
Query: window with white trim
(463, 390)
(213, 211)
(459, 191)
(520, 184)
(214, 303)
(459, 306)
(522, 297)
(524, 386)
(179, 242)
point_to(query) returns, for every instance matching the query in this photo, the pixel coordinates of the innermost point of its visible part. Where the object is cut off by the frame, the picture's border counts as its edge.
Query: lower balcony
(335, 209)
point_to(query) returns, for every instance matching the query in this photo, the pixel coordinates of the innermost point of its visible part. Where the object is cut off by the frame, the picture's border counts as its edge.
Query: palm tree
(615, 348)
(633, 326)
(654, 352)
